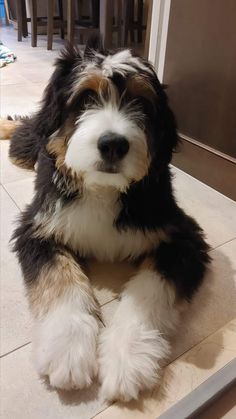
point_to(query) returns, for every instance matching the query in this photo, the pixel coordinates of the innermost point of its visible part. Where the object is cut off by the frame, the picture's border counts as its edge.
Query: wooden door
(200, 70)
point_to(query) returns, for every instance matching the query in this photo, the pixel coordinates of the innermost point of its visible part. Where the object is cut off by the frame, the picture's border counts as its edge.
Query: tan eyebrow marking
(97, 83)
(141, 86)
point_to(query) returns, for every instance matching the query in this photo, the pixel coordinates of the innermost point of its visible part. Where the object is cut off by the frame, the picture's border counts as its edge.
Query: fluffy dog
(103, 139)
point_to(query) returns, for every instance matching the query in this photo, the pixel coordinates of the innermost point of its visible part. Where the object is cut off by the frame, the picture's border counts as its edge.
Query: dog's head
(107, 117)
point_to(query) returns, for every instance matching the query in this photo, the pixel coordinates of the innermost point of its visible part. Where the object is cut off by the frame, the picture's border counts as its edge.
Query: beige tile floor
(22, 393)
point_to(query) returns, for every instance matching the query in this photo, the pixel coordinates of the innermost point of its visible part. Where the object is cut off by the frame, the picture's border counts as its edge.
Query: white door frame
(158, 35)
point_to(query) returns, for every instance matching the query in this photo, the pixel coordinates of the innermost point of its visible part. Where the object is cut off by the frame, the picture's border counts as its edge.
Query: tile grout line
(200, 342)
(222, 244)
(14, 350)
(11, 197)
(172, 361)
(27, 343)
(103, 410)
(200, 181)
(13, 181)
(110, 301)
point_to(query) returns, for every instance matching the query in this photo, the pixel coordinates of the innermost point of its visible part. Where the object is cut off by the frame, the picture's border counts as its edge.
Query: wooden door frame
(158, 35)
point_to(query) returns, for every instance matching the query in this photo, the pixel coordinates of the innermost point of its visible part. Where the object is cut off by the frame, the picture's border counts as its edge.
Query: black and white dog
(103, 140)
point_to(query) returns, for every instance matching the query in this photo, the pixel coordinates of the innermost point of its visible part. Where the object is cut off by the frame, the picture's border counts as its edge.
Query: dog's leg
(134, 346)
(25, 142)
(132, 349)
(7, 128)
(67, 322)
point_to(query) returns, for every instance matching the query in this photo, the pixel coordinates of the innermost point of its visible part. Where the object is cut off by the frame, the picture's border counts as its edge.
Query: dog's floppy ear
(50, 116)
(165, 135)
(35, 131)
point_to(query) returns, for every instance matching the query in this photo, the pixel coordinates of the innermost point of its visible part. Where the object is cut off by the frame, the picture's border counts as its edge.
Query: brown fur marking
(23, 164)
(58, 146)
(137, 85)
(147, 263)
(97, 83)
(140, 86)
(54, 281)
(7, 128)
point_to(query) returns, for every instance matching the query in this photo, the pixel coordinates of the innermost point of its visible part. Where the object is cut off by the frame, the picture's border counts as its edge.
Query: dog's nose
(112, 146)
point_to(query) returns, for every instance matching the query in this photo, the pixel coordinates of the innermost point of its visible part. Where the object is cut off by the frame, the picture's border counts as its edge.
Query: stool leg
(105, 22)
(70, 20)
(80, 10)
(125, 21)
(24, 20)
(50, 23)
(60, 7)
(148, 29)
(140, 20)
(95, 13)
(131, 20)
(33, 13)
(19, 20)
(118, 20)
(6, 9)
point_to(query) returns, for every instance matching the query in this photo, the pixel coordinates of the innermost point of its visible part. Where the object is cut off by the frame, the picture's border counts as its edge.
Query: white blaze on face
(83, 156)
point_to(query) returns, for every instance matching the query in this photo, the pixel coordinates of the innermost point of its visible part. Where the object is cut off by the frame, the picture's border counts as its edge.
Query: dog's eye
(85, 99)
(141, 102)
(88, 95)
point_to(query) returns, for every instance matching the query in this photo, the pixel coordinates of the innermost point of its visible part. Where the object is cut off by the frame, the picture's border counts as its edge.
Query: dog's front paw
(66, 350)
(129, 361)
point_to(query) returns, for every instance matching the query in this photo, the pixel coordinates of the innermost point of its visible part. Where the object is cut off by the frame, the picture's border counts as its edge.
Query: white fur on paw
(66, 350)
(129, 361)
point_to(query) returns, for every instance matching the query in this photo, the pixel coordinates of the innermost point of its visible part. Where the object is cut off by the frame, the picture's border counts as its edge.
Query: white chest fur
(87, 226)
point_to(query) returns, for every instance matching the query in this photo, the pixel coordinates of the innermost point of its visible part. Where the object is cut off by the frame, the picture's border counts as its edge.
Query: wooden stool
(129, 24)
(121, 12)
(84, 26)
(22, 29)
(50, 21)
